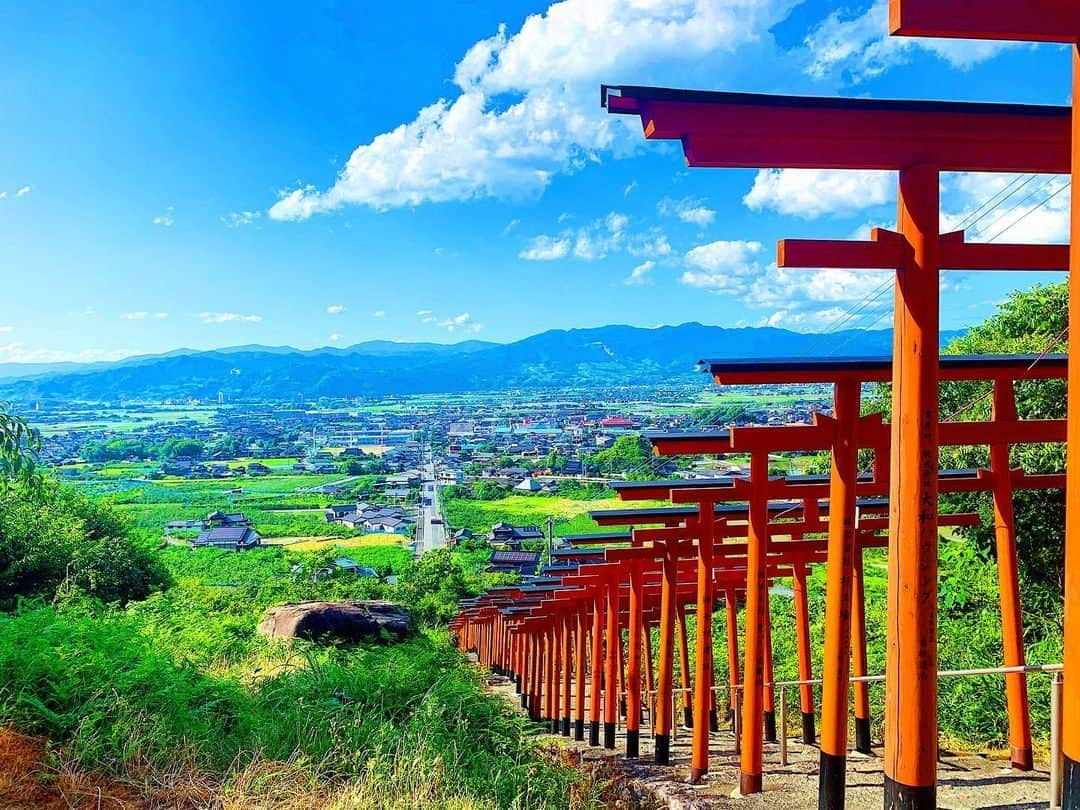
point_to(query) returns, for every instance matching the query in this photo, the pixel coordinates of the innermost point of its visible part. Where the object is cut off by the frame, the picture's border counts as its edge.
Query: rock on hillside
(352, 620)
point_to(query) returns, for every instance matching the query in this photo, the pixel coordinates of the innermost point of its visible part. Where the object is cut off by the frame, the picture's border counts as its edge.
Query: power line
(996, 200)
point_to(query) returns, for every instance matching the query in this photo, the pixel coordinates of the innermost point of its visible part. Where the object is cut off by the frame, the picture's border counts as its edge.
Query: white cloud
(811, 193)
(23, 191)
(597, 240)
(722, 265)
(3, 194)
(142, 315)
(510, 226)
(812, 321)
(21, 353)
(165, 220)
(335, 337)
(630, 187)
(423, 312)
(378, 314)
(801, 299)
(227, 317)
(545, 249)
(335, 309)
(1026, 209)
(639, 276)
(6, 329)
(526, 105)
(463, 322)
(651, 242)
(859, 47)
(689, 210)
(237, 219)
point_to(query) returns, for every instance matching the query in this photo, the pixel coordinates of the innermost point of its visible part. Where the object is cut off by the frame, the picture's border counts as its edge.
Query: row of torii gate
(575, 639)
(561, 637)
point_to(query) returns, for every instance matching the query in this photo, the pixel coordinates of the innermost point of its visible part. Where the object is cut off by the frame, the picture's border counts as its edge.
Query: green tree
(19, 446)
(55, 536)
(432, 586)
(1031, 321)
(181, 448)
(630, 454)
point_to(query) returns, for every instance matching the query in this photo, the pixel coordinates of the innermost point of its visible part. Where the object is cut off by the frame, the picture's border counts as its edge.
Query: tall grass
(184, 679)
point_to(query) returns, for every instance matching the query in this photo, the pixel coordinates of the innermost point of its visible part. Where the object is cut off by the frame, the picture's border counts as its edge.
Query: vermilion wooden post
(750, 761)
(611, 674)
(579, 674)
(911, 729)
(538, 682)
(1071, 690)
(1012, 626)
(530, 674)
(684, 668)
(544, 685)
(769, 693)
(646, 638)
(665, 664)
(596, 664)
(802, 644)
(703, 643)
(841, 544)
(622, 676)
(554, 678)
(567, 672)
(515, 652)
(633, 671)
(860, 689)
(731, 613)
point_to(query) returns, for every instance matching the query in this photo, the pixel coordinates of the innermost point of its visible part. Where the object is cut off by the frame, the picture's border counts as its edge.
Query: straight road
(430, 529)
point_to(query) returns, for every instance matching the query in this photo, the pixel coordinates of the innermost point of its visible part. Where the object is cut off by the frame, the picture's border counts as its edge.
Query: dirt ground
(964, 782)
(29, 782)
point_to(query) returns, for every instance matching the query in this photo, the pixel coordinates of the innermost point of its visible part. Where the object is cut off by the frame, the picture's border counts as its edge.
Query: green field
(123, 420)
(570, 515)
(279, 504)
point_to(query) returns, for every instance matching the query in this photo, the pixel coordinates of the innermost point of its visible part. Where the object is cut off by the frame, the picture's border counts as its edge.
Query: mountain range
(606, 355)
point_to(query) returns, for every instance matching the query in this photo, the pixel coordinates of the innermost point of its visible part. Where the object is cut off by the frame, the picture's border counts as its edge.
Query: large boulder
(350, 620)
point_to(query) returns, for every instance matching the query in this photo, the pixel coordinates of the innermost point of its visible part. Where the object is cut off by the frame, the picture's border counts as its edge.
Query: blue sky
(206, 175)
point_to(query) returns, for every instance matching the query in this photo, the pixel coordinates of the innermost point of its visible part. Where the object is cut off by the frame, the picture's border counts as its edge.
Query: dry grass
(33, 777)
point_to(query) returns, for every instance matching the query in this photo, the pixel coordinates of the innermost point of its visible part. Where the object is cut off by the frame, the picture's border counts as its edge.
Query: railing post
(736, 720)
(783, 726)
(1056, 761)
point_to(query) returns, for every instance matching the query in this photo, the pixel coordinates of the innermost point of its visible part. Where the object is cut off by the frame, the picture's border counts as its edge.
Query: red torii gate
(998, 433)
(754, 131)
(1038, 21)
(886, 250)
(807, 437)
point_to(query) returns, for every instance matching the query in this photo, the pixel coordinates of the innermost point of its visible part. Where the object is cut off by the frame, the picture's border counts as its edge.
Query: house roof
(514, 557)
(226, 534)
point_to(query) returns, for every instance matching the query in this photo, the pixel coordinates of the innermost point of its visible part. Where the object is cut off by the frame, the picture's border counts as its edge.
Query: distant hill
(606, 355)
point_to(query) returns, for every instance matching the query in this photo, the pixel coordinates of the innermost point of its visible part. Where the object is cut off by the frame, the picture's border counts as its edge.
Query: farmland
(570, 515)
(281, 505)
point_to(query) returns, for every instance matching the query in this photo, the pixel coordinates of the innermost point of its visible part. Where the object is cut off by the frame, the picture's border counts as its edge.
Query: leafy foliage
(56, 536)
(19, 444)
